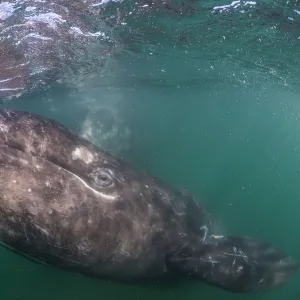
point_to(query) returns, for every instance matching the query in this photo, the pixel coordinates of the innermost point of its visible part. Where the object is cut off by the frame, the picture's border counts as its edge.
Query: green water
(219, 117)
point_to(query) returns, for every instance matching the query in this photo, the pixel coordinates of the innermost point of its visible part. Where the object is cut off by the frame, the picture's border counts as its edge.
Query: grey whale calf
(67, 203)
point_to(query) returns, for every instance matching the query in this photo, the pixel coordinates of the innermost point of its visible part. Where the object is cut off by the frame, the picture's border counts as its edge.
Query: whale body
(67, 203)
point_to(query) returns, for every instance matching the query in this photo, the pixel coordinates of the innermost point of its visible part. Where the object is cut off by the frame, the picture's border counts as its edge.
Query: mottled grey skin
(66, 202)
(43, 42)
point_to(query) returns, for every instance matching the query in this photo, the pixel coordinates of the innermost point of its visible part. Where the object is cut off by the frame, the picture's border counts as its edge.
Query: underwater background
(204, 95)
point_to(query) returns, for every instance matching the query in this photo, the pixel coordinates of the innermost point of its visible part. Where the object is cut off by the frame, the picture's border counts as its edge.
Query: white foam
(233, 4)
(101, 3)
(51, 19)
(6, 10)
(37, 36)
(30, 8)
(76, 30)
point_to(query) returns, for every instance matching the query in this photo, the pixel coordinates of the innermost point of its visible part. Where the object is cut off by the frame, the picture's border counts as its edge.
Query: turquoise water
(206, 101)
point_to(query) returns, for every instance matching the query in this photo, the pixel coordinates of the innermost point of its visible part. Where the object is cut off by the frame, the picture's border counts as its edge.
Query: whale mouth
(16, 152)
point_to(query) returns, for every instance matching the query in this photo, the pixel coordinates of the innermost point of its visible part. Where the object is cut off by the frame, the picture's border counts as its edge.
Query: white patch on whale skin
(83, 154)
(47, 183)
(3, 128)
(42, 229)
(84, 246)
(9, 79)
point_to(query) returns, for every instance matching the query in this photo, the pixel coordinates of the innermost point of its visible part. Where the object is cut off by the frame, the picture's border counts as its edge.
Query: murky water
(206, 97)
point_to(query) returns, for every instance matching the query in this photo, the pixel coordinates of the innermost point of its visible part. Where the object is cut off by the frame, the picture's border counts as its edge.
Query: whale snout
(236, 264)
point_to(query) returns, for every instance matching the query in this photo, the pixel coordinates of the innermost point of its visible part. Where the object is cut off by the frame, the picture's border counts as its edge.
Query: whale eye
(102, 178)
